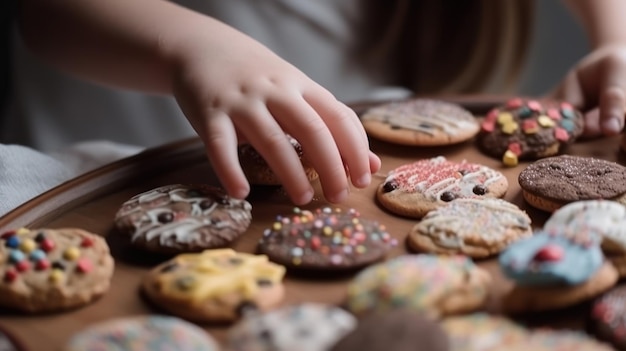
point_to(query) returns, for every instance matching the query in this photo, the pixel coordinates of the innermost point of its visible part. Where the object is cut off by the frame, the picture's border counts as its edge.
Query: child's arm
(599, 79)
(230, 87)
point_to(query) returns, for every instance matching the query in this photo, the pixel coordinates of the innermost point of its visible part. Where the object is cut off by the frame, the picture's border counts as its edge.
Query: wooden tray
(90, 202)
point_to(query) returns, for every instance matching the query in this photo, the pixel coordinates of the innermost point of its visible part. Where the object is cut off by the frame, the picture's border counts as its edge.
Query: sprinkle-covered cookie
(414, 189)
(608, 317)
(553, 182)
(420, 122)
(146, 333)
(183, 218)
(215, 285)
(397, 330)
(475, 227)
(302, 327)
(259, 172)
(555, 269)
(326, 238)
(433, 284)
(45, 270)
(529, 129)
(483, 332)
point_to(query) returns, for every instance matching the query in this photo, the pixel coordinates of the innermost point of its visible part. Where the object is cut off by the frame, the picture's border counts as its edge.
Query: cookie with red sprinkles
(608, 317)
(46, 270)
(325, 239)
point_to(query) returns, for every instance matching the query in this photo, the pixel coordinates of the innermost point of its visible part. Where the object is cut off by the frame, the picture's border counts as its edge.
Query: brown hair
(451, 46)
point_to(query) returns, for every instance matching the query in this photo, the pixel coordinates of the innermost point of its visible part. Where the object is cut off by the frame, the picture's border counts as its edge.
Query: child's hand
(233, 89)
(597, 85)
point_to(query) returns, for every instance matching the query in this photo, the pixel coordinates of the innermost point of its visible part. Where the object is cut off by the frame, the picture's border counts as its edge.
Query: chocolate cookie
(420, 122)
(183, 218)
(529, 129)
(215, 285)
(475, 227)
(397, 330)
(608, 317)
(302, 327)
(325, 239)
(552, 182)
(414, 189)
(154, 333)
(46, 270)
(259, 172)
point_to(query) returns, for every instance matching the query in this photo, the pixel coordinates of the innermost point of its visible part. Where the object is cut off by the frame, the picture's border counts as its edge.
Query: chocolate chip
(390, 186)
(447, 196)
(193, 193)
(463, 171)
(206, 204)
(165, 217)
(40, 237)
(58, 265)
(264, 282)
(479, 189)
(235, 261)
(246, 307)
(169, 267)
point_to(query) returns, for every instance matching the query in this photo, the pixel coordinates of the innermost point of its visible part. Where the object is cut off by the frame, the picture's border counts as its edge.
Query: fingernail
(305, 198)
(613, 125)
(339, 197)
(364, 180)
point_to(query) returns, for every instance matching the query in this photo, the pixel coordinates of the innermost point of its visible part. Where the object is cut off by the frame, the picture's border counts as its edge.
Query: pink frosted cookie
(414, 189)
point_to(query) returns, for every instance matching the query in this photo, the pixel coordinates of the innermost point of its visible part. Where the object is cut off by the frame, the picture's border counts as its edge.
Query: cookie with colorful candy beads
(258, 172)
(483, 332)
(420, 122)
(414, 189)
(397, 330)
(325, 239)
(436, 285)
(215, 285)
(478, 228)
(606, 218)
(302, 327)
(142, 333)
(47, 270)
(181, 218)
(529, 129)
(553, 182)
(555, 269)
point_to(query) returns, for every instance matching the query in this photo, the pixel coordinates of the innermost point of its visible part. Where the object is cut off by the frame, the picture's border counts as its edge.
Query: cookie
(483, 332)
(183, 218)
(608, 317)
(146, 333)
(420, 122)
(215, 285)
(414, 189)
(302, 327)
(523, 129)
(552, 182)
(48, 270)
(432, 284)
(325, 239)
(557, 340)
(397, 330)
(9, 342)
(258, 172)
(555, 270)
(475, 227)
(605, 218)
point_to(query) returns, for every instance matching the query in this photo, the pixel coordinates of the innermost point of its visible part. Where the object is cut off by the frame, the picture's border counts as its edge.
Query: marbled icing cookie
(259, 172)
(325, 239)
(420, 122)
(414, 189)
(475, 227)
(215, 285)
(435, 285)
(608, 317)
(529, 129)
(145, 333)
(46, 270)
(302, 327)
(552, 182)
(183, 218)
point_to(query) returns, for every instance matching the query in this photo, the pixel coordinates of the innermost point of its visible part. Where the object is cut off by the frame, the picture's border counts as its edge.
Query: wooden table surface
(90, 202)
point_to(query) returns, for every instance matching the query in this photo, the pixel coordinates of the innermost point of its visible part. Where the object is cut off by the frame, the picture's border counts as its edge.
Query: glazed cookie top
(152, 333)
(553, 258)
(441, 180)
(420, 282)
(305, 327)
(572, 178)
(197, 277)
(325, 238)
(184, 217)
(524, 128)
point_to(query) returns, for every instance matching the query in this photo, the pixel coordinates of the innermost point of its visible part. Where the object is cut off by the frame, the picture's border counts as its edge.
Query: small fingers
(612, 109)
(570, 90)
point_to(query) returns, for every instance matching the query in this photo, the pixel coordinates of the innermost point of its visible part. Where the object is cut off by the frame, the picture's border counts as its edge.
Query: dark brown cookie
(608, 317)
(325, 239)
(183, 218)
(552, 182)
(529, 129)
(397, 330)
